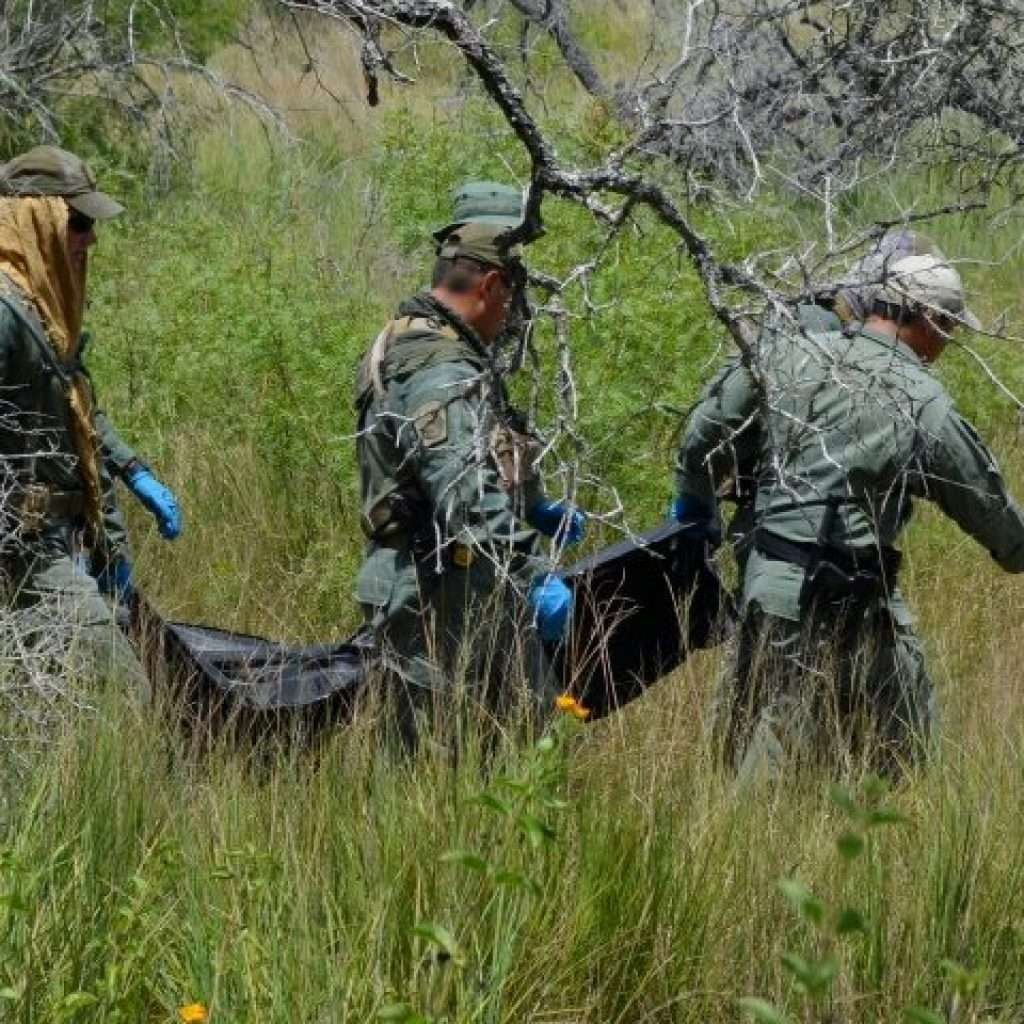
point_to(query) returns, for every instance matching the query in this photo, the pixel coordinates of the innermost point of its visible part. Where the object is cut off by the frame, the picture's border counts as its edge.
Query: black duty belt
(884, 561)
(844, 577)
(37, 505)
(423, 547)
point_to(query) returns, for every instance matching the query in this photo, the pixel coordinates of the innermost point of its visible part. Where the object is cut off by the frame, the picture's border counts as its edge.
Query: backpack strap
(38, 335)
(440, 341)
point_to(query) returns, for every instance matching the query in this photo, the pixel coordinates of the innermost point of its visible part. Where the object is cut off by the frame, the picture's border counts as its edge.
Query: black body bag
(641, 606)
(219, 678)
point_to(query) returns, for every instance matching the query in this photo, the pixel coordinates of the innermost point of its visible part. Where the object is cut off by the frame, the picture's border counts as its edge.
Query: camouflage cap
(928, 284)
(863, 282)
(484, 202)
(483, 243)
(49, 171)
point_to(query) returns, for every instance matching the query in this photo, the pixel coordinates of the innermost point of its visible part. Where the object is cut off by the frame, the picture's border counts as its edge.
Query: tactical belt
(458, 555)
(832, 572)
(38, 506)
(884, 562)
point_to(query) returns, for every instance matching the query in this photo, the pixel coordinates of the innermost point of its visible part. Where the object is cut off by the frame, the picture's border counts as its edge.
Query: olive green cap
(50, 171)
(482, 242)
(484, 202)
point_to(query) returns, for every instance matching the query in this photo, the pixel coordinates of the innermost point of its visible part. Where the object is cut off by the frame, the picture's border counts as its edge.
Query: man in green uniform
(58, 454)
(452, 582)
(838, 308)
(845, 429)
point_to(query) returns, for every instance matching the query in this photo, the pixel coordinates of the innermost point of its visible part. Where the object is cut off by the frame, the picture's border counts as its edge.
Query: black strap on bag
(833, 572)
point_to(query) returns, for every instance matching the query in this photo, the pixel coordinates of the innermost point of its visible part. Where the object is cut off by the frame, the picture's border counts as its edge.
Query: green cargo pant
(59, 609)
(846, 686)
(464, 633)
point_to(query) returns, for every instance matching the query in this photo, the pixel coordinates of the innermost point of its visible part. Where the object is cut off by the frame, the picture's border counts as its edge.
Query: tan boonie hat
(49, 171)
(930, 283)
(482, 243)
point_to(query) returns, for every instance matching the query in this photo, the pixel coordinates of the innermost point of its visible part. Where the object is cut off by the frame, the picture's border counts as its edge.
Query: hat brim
(97, 205)
(508, 222)
(965, 318)
(968, 319)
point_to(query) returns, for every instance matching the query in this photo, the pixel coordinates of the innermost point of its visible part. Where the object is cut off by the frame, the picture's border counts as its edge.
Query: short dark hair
(458, 274)
(908, 314)
(898, 314)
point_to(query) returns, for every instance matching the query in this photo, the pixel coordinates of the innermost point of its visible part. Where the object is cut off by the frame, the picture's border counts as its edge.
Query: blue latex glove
(158, 499)
(554, 517)
(116, 580)
(551, 601)
(698, 517)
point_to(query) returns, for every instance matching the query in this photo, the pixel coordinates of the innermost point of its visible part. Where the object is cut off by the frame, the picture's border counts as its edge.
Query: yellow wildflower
(571, 706)
(193, 1013)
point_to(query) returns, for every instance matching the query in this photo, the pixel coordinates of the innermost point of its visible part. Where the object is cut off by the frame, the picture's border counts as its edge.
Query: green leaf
(466, 859)
(71, 1004)
(763, 1012)
(395, 1012)
(546, 744)
(517, 880)
(439, 936)
(11, 995)
(843, 799)
(918, 1015)
(884, 816)
(803, 900)
(966, 982)
(14, 902)
(537, 831)
(850, 845)
(850, 921)
(875, 787)
(800, 968)
(815, 977)
(492, 803)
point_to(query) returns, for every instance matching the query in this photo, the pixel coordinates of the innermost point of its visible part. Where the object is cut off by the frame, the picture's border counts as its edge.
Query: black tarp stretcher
(640, 607)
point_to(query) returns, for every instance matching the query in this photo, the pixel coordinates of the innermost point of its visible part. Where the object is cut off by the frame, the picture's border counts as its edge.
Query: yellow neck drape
(35, 257)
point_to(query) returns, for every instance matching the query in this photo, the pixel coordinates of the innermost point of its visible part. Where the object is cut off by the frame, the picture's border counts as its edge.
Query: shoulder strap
(38, 335)
(442, 341)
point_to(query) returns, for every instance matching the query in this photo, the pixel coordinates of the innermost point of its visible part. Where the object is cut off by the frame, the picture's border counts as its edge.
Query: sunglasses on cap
(79, 223)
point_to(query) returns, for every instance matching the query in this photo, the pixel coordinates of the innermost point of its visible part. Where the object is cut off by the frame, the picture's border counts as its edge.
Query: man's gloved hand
(551, 601)
(552, 517)
(698, 516)
(158, 499)
(116, 581)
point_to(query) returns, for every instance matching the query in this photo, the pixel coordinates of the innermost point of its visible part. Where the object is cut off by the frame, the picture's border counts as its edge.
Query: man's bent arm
(721, 437)
(964, 480)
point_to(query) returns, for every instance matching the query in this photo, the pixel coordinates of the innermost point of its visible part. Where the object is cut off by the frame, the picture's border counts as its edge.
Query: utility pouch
(515, 453)
(392, 516)
(829, 582)
(833, 574)
(33, 504)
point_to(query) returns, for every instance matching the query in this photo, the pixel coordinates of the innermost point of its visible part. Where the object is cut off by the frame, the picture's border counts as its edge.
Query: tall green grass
(139, 875)
(610, 873)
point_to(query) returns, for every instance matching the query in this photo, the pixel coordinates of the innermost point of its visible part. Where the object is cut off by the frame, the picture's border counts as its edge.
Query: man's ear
(491, 280)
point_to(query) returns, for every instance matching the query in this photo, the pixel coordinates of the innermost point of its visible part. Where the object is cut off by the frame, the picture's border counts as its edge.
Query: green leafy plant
(523, 806)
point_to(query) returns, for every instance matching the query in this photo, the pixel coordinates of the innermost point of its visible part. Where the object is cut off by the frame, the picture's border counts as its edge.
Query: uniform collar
(894, 343)
(426, 305)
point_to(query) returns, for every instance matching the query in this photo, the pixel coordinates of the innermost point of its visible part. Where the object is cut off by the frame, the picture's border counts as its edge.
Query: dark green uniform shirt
(430, 485)
(854, 416)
